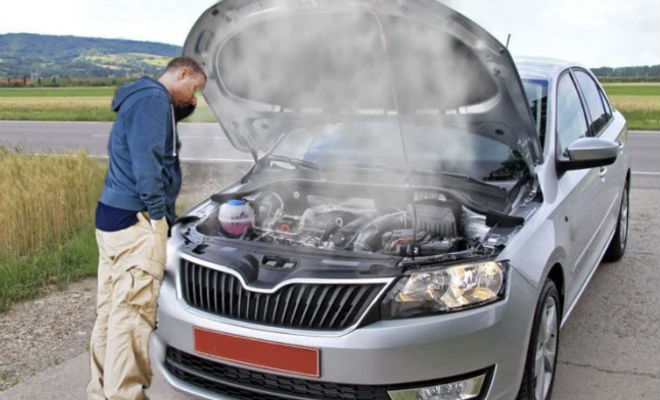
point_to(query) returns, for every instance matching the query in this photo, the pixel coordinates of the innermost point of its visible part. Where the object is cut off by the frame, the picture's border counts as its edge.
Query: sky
(591, 32)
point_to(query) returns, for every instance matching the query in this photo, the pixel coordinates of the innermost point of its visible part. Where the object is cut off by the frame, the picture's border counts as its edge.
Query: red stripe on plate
(258, 353)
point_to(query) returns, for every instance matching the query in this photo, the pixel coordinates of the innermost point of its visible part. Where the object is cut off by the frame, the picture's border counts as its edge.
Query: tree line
(644, 73)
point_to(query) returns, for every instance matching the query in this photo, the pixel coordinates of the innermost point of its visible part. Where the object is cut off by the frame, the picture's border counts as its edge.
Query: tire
(618, 243)
(543, 346)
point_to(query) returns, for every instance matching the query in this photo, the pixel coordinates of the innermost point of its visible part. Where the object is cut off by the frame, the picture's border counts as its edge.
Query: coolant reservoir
(235, 217)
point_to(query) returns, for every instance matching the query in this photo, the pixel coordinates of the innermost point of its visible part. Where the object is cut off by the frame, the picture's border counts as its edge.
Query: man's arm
(146, 134)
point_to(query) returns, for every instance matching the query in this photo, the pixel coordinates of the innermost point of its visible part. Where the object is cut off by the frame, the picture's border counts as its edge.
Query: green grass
(643, 120)
(632, 89)
(24, 277)
(639, 103)
(50, 115)
(70, 104)
(46, 222)
(55, 108)
(59, 92)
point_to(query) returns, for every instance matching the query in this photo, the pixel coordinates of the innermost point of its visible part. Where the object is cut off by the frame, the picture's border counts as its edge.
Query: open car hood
(276, 65)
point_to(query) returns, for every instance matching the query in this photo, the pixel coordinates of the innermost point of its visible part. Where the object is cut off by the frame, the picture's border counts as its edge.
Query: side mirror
(589, 152)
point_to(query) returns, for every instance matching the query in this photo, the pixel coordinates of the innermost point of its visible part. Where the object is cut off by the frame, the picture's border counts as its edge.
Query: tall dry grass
(71, 104)
(640, 103)
(641, 112)
(45, 199)
(55, 108)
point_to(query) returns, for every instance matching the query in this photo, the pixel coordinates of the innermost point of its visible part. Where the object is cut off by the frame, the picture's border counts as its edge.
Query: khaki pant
(131, 264)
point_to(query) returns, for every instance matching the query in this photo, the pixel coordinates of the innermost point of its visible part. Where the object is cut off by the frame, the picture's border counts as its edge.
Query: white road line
(210, 137)
(10, 121)
(188, 159)
(18, 122)
(241, 160)
(648, 173)
(183, 136)
(202, 160)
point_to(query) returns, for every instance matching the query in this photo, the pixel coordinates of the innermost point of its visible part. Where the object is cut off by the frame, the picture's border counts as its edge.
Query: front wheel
(617, 246)
(541, 363)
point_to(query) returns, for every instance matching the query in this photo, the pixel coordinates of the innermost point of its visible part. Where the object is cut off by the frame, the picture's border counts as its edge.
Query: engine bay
(348, 220)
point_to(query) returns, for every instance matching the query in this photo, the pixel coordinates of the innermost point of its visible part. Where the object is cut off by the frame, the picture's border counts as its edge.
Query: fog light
(462, 390)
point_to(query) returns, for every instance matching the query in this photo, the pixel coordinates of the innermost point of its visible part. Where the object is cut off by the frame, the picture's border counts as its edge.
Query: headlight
(447, 289)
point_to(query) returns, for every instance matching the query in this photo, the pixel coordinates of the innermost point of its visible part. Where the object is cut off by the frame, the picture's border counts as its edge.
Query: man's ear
(183, 73)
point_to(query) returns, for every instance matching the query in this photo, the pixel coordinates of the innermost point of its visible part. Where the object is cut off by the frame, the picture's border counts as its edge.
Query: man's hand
(159, 225)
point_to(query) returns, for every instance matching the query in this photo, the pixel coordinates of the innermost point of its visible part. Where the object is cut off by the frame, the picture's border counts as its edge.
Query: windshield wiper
(401, 171)
(354, 166)
(294, 162)
(452, 175)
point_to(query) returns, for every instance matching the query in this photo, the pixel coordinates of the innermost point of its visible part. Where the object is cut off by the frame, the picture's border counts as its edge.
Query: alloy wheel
(546, 349)
(623, 219)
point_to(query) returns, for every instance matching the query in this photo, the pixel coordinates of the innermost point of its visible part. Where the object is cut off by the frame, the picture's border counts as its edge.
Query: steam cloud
(342, 80)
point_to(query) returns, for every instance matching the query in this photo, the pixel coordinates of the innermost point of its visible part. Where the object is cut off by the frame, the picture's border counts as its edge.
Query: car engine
(431, 225)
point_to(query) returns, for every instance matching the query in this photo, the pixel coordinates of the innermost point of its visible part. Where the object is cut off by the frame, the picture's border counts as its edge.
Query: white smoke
(362, 75)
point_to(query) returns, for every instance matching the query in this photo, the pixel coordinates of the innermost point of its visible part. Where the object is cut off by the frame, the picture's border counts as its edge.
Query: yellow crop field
(56, 108)
(46, 222)
(69, 108)
(45, 198)
(639, 103)
(630, 103)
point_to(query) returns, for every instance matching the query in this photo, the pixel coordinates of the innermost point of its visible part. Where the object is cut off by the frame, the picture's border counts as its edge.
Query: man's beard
(183, 112)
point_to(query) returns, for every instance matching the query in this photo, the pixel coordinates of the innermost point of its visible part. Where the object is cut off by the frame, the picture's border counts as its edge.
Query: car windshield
(367, 90)
(378, 145)
(347, 66)
(536, 91)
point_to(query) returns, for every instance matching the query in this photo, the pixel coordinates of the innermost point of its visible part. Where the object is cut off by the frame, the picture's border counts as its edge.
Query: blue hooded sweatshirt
(144, 171)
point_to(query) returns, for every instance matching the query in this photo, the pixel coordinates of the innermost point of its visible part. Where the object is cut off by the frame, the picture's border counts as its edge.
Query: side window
(606, 102)
(571, 123)
(592, 96)
(536, 91)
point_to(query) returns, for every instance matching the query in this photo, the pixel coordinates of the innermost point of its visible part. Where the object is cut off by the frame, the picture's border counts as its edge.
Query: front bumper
(213, 378)
(398, 352)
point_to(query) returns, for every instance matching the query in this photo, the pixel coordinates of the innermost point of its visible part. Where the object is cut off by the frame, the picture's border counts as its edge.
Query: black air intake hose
(345, 235)
(369, 238)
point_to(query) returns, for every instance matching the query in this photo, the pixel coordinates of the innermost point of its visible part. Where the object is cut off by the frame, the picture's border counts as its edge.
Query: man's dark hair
(181, 62)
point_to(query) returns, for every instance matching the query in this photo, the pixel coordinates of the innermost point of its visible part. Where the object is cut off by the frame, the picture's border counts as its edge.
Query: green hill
(46, 56)
(26, 55)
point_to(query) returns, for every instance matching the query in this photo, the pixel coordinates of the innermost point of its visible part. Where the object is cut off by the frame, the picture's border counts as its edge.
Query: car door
(583, 204)
(612, 176)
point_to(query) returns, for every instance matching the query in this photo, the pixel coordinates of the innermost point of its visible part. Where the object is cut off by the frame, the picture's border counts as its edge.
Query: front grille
(324, 306)
(251, 385)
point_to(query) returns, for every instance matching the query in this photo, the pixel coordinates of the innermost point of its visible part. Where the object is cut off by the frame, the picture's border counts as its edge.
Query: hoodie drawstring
(174, 132)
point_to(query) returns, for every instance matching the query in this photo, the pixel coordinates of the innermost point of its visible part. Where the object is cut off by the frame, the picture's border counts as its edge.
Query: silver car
(421, 217)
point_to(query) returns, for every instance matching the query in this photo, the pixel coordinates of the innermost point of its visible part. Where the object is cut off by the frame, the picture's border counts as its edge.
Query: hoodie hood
(277, 65)
(128, 89)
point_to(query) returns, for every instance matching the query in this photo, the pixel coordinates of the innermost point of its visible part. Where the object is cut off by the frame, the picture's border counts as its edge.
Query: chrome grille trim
(315, 321)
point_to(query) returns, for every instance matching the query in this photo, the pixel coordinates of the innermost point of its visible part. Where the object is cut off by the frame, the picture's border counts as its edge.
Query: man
(133, 216)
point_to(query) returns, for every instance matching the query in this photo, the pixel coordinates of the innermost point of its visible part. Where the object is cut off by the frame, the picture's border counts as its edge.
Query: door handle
(602, 172)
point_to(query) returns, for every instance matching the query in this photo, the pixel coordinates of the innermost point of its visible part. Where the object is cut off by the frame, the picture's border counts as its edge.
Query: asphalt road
(200, 141)
(207, 142)
(609, 348)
